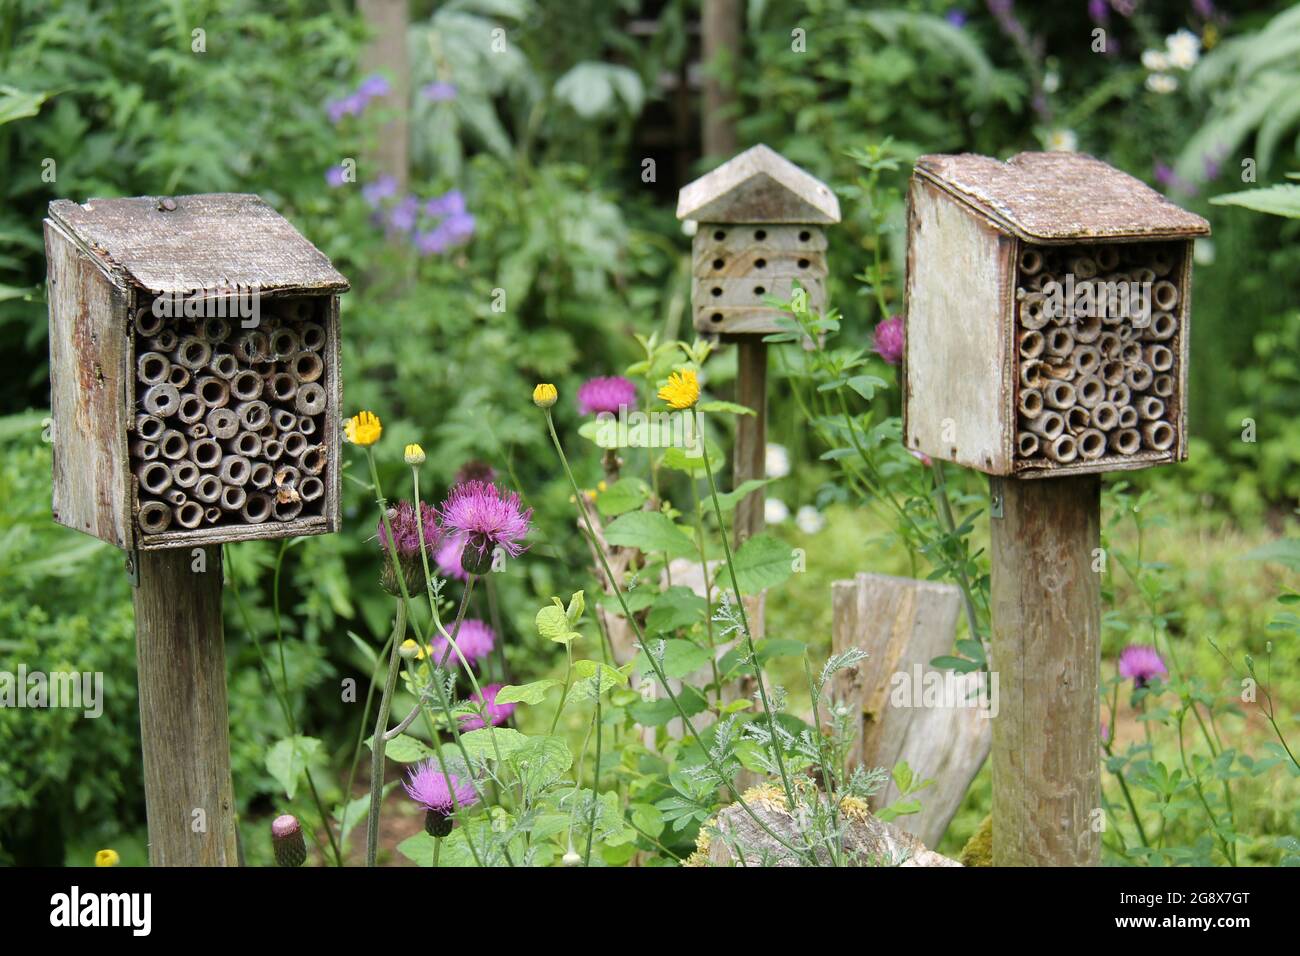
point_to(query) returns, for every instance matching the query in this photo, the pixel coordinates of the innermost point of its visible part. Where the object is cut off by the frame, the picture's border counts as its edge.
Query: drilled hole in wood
(716, 317)
(719, 235)
(760, 263)
(718, 263)
(759, 290)
(760, 234)
(804, 263)
(805, 235)
(715, 291)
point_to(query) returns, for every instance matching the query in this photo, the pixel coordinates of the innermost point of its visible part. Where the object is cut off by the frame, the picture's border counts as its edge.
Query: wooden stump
(1047, 649)
(184, 724)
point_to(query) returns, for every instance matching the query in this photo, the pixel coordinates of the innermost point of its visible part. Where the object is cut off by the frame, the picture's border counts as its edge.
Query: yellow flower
(364, 428)
(544, 396)
(682, 390)
(414, 455)
(410, 650)
(107, 858)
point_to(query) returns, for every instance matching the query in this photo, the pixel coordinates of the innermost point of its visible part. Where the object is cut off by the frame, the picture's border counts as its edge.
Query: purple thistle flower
(888, 341)
(475, 640)
(1140, 663)
(605, 395)
(496, 713)
(489, 518)
(475, 470)
(335, 176)
(439, 92)
(427, 786)
(406, 530)
(287, 841)
(448, 557)
(373, 87)
(376, 192)
(450, 203)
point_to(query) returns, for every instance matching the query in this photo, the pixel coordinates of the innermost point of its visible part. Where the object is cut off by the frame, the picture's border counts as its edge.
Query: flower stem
(377, 742)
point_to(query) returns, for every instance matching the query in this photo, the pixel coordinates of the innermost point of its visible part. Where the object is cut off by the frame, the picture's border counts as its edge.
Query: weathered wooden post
(195, 394)
(1046, 342)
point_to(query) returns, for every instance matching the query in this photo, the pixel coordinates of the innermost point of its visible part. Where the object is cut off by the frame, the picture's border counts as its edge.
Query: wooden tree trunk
(1046, 648)
(720, 25)
(184, 724)
(386, 54)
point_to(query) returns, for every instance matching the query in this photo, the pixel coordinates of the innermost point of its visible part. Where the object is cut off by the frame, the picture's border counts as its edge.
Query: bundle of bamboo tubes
(229, 420)
(1097, 334)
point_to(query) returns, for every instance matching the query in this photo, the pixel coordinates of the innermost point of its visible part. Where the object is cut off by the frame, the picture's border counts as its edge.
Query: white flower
(690, 227)
(1203, 252)
(1161, 83)
(1051, 81)
(775, 511)
(1184, 49)
(809, 519)
(1155, 60)
(777, 462)
(1062, 141)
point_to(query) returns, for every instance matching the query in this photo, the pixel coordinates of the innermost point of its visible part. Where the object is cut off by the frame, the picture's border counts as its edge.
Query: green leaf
(585, 689)
(691, 460)
(680, 659)
(406, 749)
(577, 605)
(418, 849)
(287, 760)
(540, 761)
(533, 693)
(649, 531)
(1280, 200)
(16, 104)
(624, 495)
(553, 624)
(1284, 551)
(656, 713)
(479, 744)
(676, 608)
(727, 501)
(729, 408)
(779, 647)
(595, 89)
(866, 385)
(762, 562)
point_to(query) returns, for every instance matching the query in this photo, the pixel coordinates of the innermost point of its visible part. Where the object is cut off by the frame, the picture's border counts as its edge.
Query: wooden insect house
(759, 231)
(194, 366)
(1048, 300)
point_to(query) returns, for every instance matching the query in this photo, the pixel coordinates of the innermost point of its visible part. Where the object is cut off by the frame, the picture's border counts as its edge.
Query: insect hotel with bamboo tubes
(195, 396)
(1046, 342)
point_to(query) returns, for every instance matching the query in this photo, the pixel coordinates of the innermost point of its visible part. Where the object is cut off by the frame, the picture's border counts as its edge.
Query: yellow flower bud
(107, 858)
(414, 455)
(409, 650)
(544, 396)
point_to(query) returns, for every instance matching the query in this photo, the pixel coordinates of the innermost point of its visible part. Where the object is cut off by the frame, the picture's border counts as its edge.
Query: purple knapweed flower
(376, 192)
(406, 530)
(475, 640)
(1141, 664)
(489, 518)
(448, 557)
(605, 395)
(439, 92)
(287, 841)
(888, 341)
(496, 713)
(427, 786)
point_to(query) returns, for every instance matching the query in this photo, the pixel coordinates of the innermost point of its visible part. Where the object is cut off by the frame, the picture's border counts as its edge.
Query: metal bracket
(995, 497)
(133, 567)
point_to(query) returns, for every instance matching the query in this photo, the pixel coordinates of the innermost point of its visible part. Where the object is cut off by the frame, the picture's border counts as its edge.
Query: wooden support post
(184, 723)
(751, 462)
(1046, 650)
(720, 26)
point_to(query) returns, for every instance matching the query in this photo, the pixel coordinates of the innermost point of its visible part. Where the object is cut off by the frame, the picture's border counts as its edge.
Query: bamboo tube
(1059, 373)
(146, 323)
(1139, 377)
(173, 445)
(1105, 416)
(1126, 331)
(287, 476)
(1107, 258)
(196, 431)
(1118, 394)
(246, 386)
(272, 450)
(192, 352)
(142, 450)
(312, 461)
(1091, 444)
(1087, 328)
(154, 517)
(294, 444)
(284, 419)
(247, 444)
(1047, 425)
(211, 514)
(233, 497)
(235, 470)
(310, 489)
(268, 432)
(1164, 295)
(1086, 359)
(165, 341)
(286, 510)
(1128, 417)
(149, 427)
(161, 399)
(1077, 419)
(175, 497)
(253, 415)
(1108, 344)
(189, 514)
(1159, 357)
(1058, 394)
(185, 474)
(262, 475)
(1163, 385)
(283, 386)
(1162, 327)
(1090, 392)
(222, 423)
(1031, 373)
(224, 366)
(1031, 402)
(1161, 261)
(1112, 372)
(1032, 343)
(152, 368)
(1083, 267)
(208, 488)
(179, 376)
(154, 477)
(1031, 260)
(1062, 449)
(1032, 283)
(257, 508)
(1027, 444)
(191, 408)
(252, 347)
(1158, 436)
(1150, 408)
(1126, 441)
(313, 336)
(284, 344)
(206, 453)
(1060, 342)
(214, 392)
(307, 425)
(1032, 313)
(214, 330)
(1131, 353)
(310, 400)
(307, 367)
